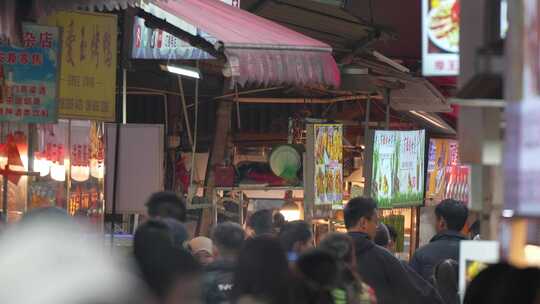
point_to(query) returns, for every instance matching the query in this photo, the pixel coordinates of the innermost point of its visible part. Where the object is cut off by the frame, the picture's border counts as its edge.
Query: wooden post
(217, 156)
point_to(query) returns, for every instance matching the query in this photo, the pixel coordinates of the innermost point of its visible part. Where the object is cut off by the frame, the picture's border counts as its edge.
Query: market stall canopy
(327, 21)
(408, 93)
(258, 51)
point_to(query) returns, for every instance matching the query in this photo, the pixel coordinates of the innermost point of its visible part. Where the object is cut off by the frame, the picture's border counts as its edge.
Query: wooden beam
(298, 100)
(249, 92)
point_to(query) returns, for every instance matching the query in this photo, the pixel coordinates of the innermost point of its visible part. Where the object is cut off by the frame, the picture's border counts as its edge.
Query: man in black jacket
(392, 281)
(219, 277)
(451, 217)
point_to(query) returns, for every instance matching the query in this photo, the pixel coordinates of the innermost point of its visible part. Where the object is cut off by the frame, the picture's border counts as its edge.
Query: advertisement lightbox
(440, 37)
(398, 168)
(446, 176)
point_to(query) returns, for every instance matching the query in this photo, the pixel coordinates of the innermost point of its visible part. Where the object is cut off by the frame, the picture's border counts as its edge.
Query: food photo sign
(446, 176)
(329, 165)
(440, 37)
(397, 175)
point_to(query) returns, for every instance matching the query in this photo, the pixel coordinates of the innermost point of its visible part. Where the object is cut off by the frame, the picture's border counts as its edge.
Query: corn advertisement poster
(398, 168)
(88, 65)
(329, 165)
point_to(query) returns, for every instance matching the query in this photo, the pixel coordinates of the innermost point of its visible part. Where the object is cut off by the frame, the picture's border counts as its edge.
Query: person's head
(202, 249)
(166, 205)
(279, 221)
(296, 237)
(341, 246)
(166, 269)
(178, 231)
(382, 236)
(49, 262)
(263, 271)
(451, 215)
(151, 236)
(260, 222)
(319, 267)
(360, 215)
(228, 238)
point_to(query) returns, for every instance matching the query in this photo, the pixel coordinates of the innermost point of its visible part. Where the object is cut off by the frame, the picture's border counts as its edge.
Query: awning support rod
(238, 122)
(387, 103)
(184, 108)
(248, 92)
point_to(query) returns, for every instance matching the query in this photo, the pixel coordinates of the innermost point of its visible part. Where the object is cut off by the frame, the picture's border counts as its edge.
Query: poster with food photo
(398, 168)
(329, 165)
(446, 176)
(440, 37)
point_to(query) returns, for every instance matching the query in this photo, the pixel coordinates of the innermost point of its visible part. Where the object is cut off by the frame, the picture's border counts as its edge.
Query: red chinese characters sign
(29, 77)
(88, 69)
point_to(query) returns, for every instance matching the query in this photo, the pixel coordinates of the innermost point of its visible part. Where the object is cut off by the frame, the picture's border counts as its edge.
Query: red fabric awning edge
(260, 51)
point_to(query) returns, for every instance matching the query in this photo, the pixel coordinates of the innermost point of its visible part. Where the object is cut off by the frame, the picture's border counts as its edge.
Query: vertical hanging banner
(88, 65)
(328, 151)
(29, 76)
(398, 168)
(440, 37)
(446, 176)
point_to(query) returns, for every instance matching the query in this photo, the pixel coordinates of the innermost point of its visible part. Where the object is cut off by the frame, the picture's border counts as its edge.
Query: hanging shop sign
(88, 65)
(446, 176)
(328, 150)
(440, 37)
(29, 77)
(398, 168)
(148, 43)
(151, 43)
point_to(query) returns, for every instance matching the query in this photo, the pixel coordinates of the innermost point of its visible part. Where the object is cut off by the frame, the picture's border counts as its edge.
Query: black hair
(503, 283)
(177, 230)
(263, 272)
(279, 220)
(358, 208)
(382, 236)
(295, 231)
(261, 222)
(454, 213)
(159, 262)
(167, 204)
(319, 266)
(229, 236)
(340, 245)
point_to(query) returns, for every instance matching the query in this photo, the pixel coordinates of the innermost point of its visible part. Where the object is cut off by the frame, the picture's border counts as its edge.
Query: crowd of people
(269, 261)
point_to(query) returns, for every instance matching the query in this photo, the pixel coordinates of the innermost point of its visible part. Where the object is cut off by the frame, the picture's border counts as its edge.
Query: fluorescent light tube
(182, 70)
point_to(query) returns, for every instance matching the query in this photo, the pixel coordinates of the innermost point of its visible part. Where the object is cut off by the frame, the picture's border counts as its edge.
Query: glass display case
(59, 165)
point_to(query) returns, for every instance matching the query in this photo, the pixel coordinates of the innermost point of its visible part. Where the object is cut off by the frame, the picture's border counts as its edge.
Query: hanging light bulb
(97, 168)
(58, 172)
(80, 173)
(3, 156)
(41, 164)
(290, 211)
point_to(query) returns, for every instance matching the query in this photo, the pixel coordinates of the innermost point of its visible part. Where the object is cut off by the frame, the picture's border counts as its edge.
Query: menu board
(446, 176)
(398, 168)
(440, 37)
(329, 165)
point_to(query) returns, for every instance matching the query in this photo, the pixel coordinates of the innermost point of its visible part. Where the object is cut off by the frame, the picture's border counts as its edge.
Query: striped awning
(258, 51)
